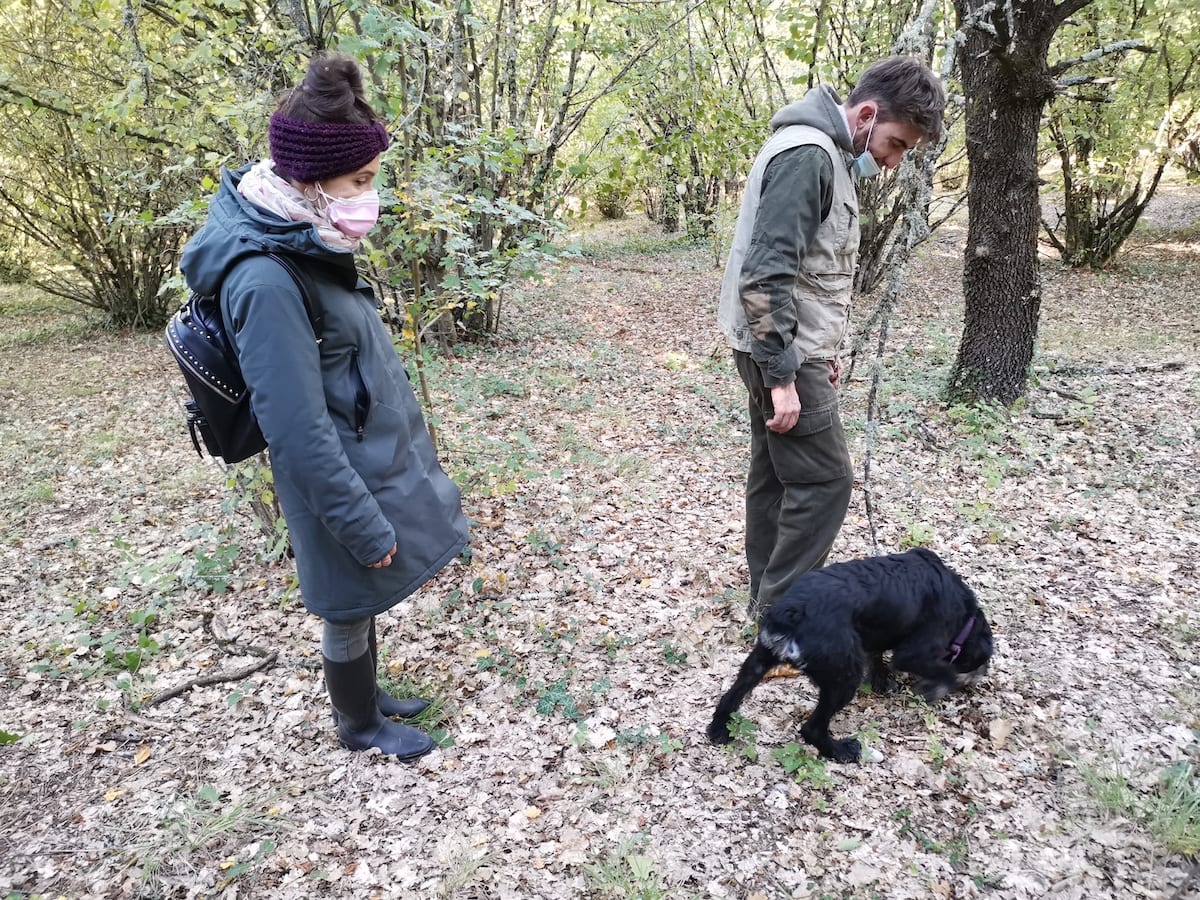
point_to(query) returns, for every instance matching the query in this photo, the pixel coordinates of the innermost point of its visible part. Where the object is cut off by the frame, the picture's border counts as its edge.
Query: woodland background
(559, 204)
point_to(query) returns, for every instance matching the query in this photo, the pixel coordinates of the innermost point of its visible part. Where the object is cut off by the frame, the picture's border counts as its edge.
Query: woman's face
(344, 187)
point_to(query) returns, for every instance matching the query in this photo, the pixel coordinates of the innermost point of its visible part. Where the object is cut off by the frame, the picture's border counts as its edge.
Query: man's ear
(867, 110)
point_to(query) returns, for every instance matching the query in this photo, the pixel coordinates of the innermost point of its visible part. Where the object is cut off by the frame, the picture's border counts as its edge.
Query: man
(785, 305)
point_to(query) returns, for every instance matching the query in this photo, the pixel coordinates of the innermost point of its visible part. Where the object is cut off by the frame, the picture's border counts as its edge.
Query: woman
(371, 514)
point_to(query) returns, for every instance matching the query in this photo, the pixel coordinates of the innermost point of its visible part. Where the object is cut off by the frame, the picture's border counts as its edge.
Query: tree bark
(1006, 81)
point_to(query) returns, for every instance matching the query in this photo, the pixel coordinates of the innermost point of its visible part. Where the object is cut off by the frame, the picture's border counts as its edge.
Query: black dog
(832, 622)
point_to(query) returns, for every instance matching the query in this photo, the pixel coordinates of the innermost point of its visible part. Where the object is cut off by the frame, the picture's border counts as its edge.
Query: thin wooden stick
(218, 678)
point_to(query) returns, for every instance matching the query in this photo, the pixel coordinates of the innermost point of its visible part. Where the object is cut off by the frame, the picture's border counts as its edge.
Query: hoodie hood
(236, 228)
(821, 108)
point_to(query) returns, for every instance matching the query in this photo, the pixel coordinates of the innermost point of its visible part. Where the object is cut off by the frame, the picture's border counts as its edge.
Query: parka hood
(821, 109)
(237, 228)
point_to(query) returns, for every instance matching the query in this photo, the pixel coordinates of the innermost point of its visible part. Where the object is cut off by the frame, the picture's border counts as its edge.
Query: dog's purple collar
(957, 644)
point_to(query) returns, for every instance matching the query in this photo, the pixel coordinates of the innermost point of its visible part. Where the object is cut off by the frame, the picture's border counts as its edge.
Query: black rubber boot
(360, 726)
(389, 705)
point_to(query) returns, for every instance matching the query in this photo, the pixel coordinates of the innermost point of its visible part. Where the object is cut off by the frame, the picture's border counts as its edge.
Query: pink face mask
(352, 216)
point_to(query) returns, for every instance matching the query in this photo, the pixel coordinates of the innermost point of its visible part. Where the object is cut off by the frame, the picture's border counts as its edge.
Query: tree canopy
(511, 114)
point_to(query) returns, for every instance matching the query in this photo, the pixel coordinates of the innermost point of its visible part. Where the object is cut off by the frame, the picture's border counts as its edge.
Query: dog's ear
(927, 647)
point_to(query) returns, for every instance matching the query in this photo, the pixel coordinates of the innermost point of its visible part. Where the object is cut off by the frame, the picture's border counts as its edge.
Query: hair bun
(331, 91)
(336, 77)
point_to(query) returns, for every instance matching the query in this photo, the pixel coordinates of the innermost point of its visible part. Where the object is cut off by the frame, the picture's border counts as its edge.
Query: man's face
(888, 140)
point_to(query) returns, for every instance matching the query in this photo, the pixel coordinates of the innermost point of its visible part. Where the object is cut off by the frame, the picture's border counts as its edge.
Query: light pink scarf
(267, 190)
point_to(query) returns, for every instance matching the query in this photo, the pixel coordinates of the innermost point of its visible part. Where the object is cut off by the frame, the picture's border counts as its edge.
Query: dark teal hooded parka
(354, 466)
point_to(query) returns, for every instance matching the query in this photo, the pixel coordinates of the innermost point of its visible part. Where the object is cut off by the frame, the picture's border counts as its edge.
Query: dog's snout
(970, 679)
(931, 690)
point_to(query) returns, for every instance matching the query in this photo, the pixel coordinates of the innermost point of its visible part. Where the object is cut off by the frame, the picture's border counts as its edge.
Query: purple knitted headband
(310, 151)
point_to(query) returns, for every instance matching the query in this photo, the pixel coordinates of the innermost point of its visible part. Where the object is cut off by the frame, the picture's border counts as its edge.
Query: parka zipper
(362, 397)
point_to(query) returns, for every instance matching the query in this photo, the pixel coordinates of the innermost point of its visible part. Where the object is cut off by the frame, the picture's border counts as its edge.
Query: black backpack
(219, 412)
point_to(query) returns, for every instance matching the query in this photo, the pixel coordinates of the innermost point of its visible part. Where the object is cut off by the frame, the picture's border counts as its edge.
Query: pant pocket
(814, 451)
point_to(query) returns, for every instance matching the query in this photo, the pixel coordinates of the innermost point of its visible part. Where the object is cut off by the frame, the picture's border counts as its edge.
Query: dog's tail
(783, 645)
(760, 661)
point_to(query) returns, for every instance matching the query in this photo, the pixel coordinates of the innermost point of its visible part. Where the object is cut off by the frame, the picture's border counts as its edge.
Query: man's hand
(786, 403)
(386, 561)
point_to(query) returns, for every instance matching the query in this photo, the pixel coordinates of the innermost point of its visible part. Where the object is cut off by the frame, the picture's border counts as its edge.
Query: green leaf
(641, 867)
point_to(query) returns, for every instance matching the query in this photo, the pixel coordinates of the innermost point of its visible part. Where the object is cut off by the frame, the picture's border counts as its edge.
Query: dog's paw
(882, 684)
(846, 751)
(718, 732)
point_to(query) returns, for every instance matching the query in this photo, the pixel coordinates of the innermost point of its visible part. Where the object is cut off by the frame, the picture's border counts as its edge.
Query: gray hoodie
(785, 296)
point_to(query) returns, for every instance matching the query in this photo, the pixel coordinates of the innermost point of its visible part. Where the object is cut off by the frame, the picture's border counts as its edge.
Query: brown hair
(332, 91)
(906, 91)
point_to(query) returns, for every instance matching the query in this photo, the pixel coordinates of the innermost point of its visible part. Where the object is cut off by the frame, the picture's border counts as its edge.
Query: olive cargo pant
(798, 486)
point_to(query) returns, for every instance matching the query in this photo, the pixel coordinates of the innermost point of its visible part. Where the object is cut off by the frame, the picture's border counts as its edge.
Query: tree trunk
(1007, 83)
(1001, 283)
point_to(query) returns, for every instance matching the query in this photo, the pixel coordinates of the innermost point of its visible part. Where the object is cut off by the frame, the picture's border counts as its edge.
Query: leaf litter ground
(578, 653)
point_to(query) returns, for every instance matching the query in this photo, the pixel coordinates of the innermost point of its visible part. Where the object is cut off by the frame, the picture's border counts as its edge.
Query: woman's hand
(386, 561)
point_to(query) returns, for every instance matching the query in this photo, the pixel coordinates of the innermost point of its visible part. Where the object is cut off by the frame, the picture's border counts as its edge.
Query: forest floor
(576, 657)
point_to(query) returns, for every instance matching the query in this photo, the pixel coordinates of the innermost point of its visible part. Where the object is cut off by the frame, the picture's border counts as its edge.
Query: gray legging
(345, 641)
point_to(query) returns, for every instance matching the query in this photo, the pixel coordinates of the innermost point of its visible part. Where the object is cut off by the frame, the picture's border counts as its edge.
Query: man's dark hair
(906, 91)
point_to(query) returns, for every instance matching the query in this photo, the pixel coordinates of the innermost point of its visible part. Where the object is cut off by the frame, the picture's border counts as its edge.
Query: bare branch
(1076, 80)
(977, 20)
(1053, 237)
(216, 678)
(1065, 10)
(1099, 53)
(913, 39)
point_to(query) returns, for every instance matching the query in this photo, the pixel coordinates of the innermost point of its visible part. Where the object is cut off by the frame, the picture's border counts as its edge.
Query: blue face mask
(865, 165)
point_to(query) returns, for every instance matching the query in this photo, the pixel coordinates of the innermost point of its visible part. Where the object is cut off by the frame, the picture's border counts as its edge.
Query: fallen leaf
(999, 731)
(863, 874)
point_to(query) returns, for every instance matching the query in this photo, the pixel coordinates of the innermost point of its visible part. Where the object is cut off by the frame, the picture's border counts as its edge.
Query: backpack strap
(316, 314)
